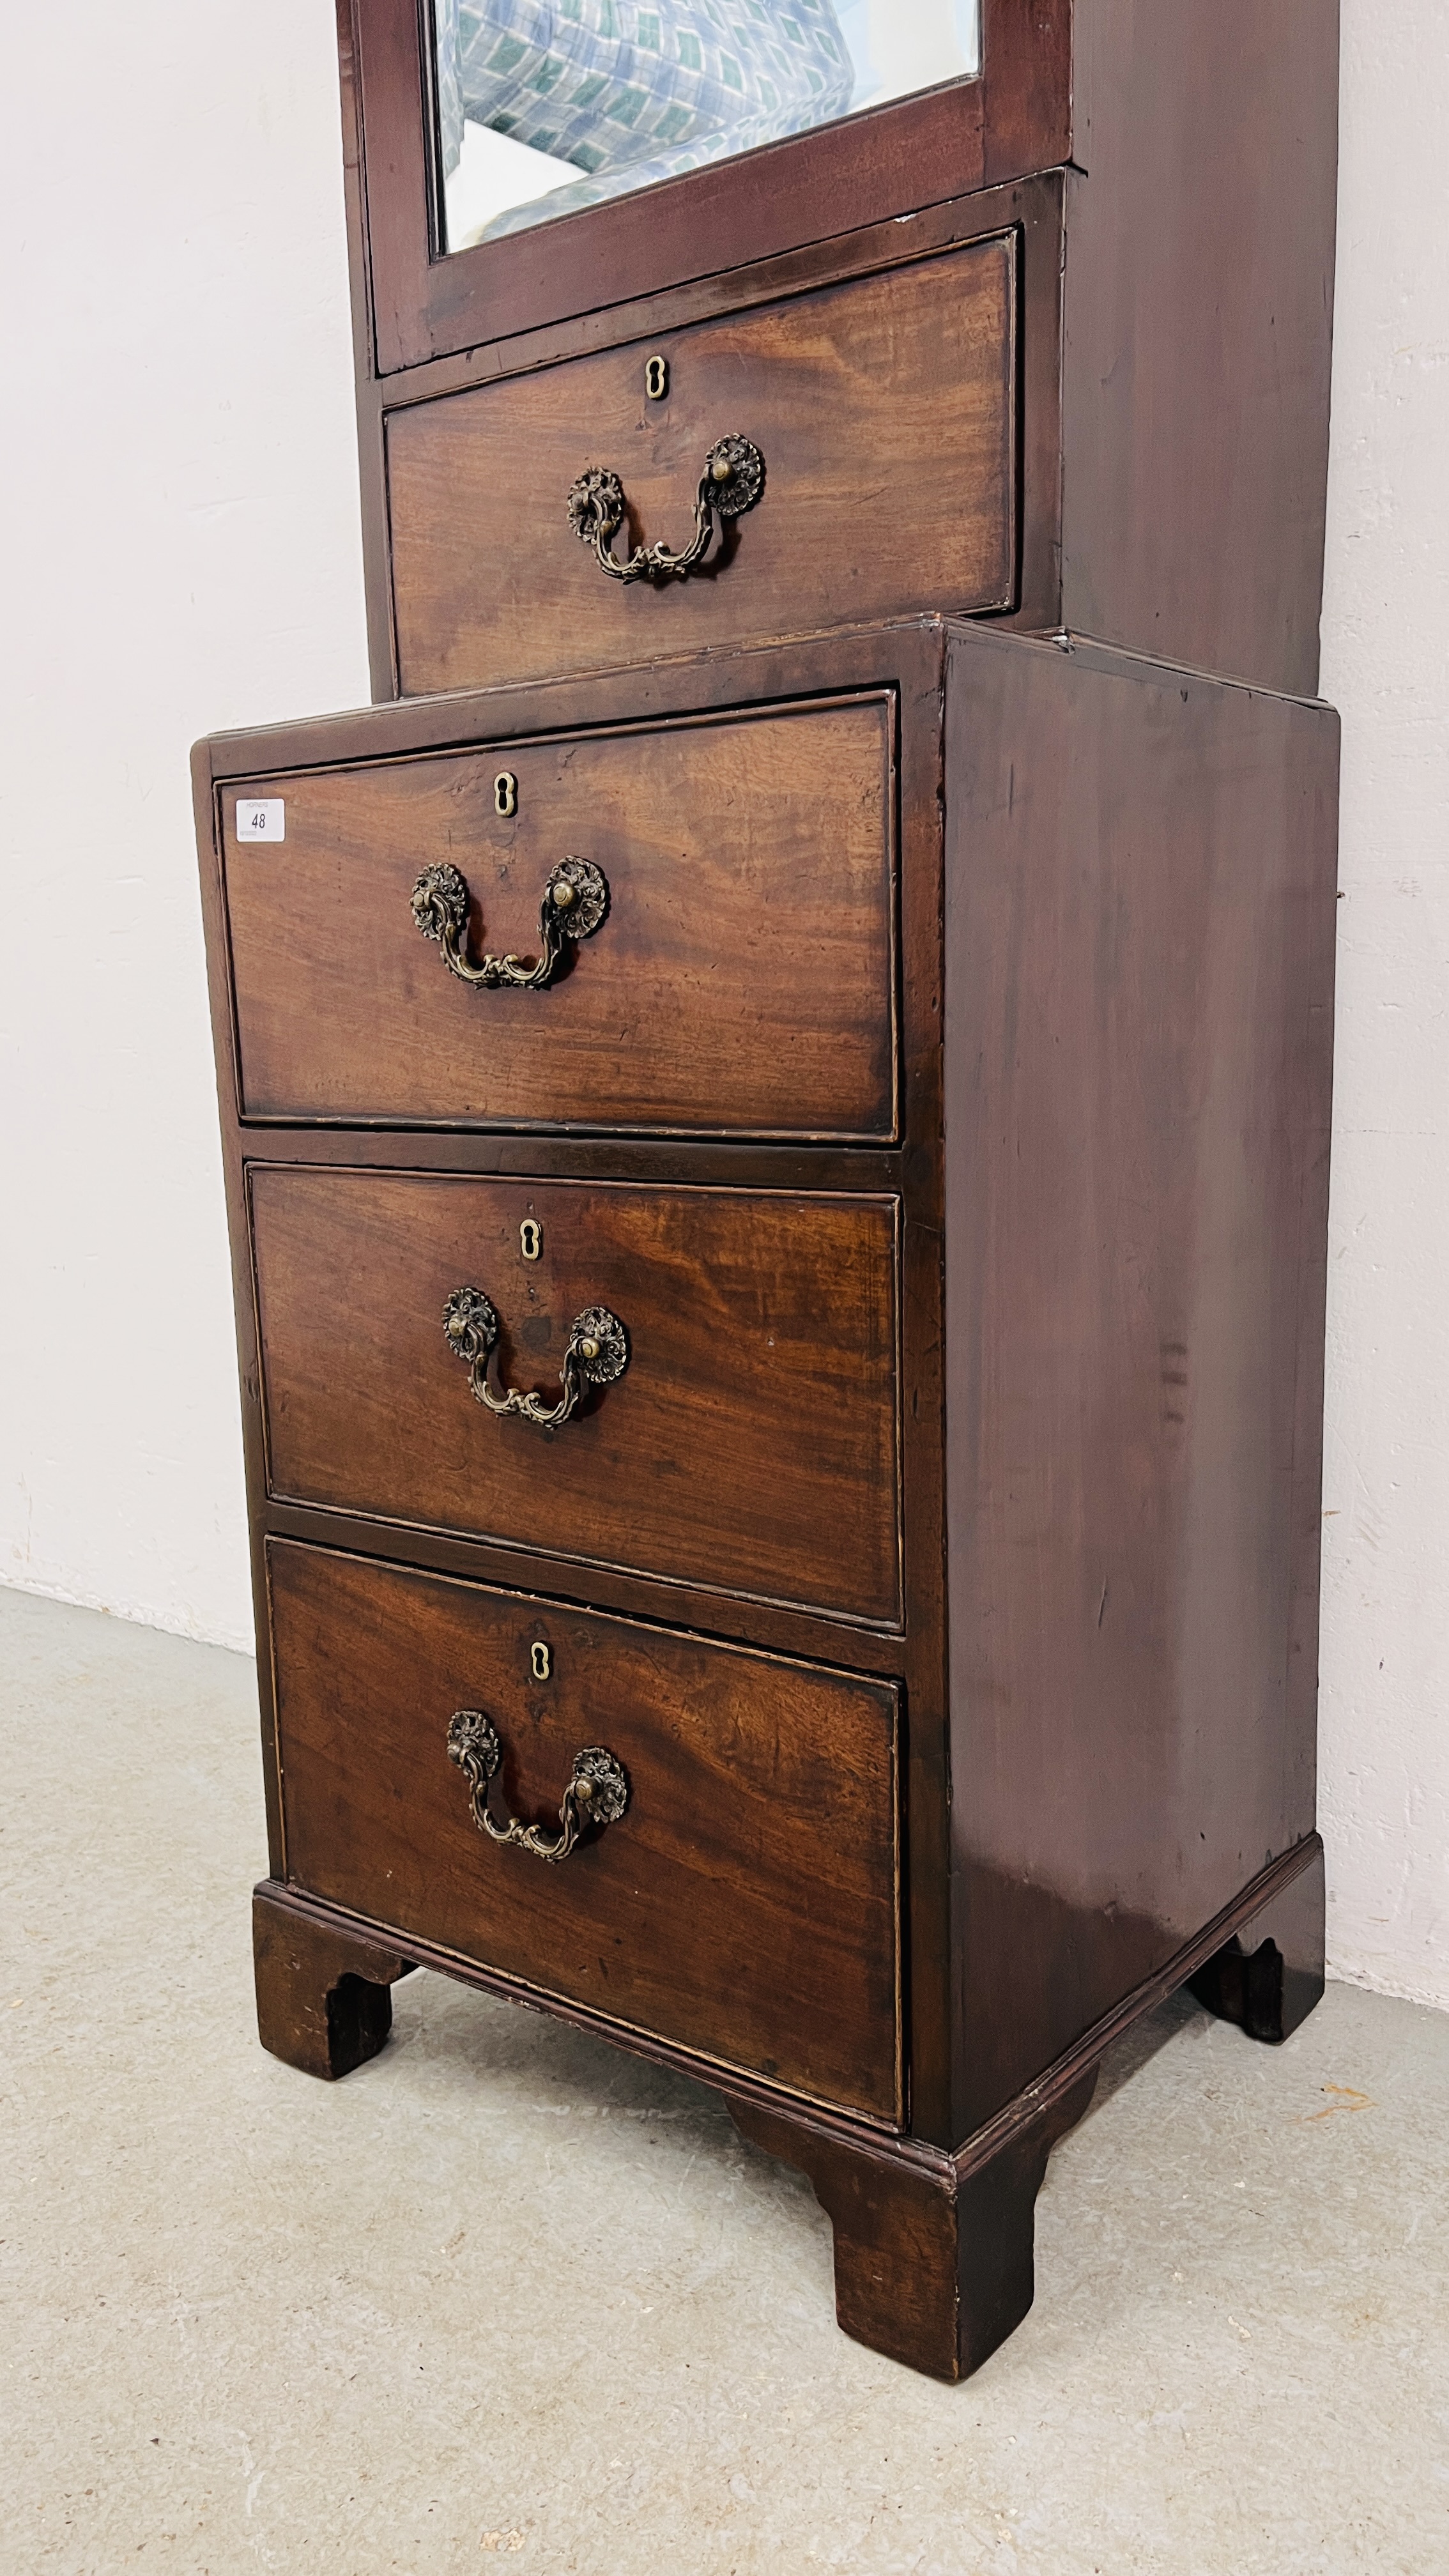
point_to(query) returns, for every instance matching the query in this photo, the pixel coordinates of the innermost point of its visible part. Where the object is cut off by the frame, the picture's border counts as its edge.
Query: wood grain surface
(933, 2256)
(751, 1443)
(324, 2002)
(761, 1826)
(1197, 345)
(1139, 971)
(885, 412)
(743, 981)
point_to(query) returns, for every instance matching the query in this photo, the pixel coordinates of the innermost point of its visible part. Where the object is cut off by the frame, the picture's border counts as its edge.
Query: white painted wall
(1385, 1639)
(181, 552)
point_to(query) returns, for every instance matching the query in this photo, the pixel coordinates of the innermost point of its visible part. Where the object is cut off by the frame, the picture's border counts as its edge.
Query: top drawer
(738, 973)
(884, 409)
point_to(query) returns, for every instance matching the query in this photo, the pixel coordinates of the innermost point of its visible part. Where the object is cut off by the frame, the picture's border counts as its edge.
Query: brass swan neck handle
(597, 1353)
(597, 1792)
(732, 481)
(573, 904)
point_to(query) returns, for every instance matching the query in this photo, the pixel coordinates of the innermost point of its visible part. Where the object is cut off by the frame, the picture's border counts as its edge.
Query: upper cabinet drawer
(883, 409)
(740, 981)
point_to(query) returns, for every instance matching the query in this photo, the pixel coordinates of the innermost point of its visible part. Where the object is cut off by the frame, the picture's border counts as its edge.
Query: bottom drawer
(743, 1905)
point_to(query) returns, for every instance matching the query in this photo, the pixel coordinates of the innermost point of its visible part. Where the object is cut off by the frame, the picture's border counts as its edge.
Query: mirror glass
(548, 105)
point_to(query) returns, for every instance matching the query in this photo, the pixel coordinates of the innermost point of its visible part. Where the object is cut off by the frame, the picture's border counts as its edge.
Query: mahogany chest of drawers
(778, 1203)
(775, 1097)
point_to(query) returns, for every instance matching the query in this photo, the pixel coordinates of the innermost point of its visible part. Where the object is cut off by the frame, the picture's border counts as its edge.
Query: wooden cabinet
(775, 1101)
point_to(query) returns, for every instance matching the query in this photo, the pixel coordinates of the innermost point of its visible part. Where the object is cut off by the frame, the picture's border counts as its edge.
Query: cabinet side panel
(223, 1032)
(1139, 963)
(1198, 331)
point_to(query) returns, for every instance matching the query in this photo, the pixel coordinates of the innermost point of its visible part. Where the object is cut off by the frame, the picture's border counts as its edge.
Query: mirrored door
(547, 106)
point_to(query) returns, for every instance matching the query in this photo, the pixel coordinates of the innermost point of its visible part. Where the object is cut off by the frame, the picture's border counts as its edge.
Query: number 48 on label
(261, 818)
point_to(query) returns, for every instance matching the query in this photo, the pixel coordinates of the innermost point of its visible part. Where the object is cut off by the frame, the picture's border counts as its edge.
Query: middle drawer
(749, 1443)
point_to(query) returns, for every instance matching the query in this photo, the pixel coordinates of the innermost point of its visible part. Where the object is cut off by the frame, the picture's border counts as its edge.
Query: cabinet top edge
(908, 653)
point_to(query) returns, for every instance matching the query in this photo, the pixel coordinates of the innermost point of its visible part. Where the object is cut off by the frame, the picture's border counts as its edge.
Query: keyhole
(505, 793)
(656, 378)
(540, 1659)
(530, 1238)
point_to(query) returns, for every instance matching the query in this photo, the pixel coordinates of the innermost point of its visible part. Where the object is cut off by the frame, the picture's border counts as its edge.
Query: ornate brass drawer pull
(732, 481)
(597, 1793)
(574, 903)
(597, 1353)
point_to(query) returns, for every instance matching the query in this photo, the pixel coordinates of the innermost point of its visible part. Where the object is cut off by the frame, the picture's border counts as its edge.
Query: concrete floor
(505, 2294)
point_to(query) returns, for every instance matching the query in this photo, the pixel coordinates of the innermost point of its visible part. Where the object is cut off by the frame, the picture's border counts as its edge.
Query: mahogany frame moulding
(1013, 119)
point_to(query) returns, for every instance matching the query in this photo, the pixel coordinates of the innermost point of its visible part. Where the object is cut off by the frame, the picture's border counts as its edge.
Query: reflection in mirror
(548, 105)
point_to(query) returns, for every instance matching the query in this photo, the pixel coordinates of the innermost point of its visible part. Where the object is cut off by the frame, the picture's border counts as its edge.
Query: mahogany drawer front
(884, 408)
(760, 1833)
(742, 981)
(751, 1444)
